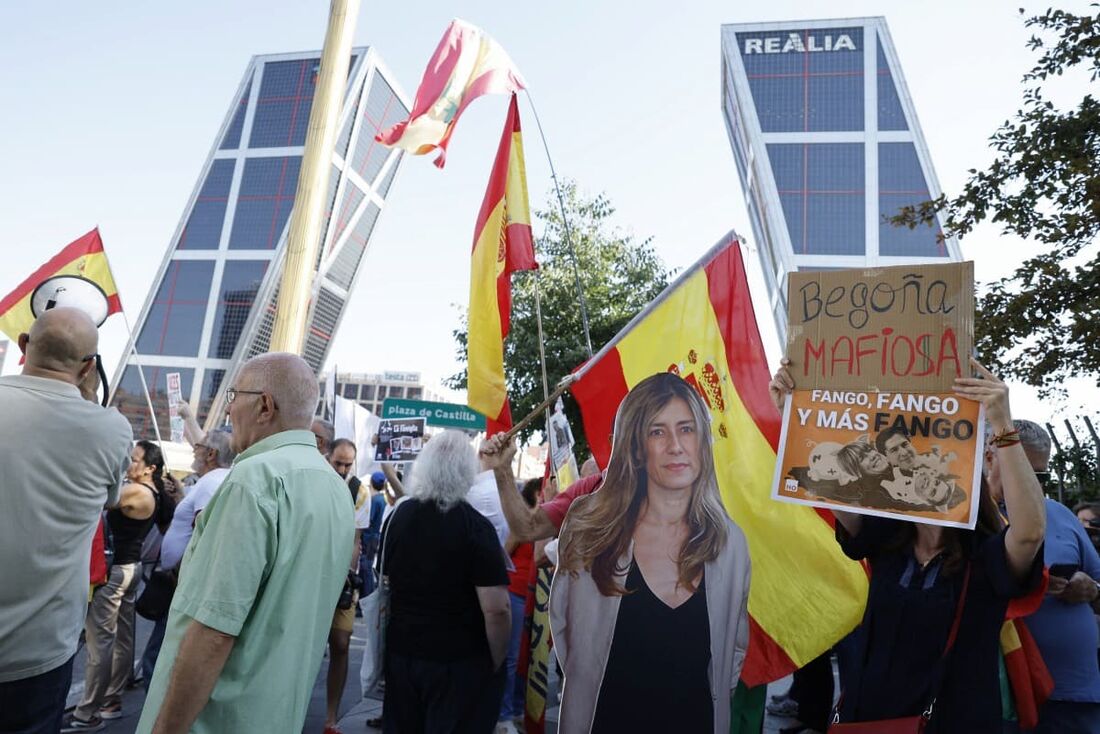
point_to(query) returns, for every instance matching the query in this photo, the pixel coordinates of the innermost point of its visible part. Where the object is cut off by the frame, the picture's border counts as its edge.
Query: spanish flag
(502, 245)
(805, 593)
(467, 64)
(84, 258)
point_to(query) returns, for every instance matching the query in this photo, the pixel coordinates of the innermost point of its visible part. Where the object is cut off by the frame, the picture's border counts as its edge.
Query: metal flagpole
(565, 226)
(141, 375)
(542, 350)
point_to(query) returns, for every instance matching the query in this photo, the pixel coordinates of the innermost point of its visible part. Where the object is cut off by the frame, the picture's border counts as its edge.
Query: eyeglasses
(231, 393)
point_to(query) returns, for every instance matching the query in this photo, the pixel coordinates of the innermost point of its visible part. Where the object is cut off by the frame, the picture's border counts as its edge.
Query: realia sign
(796, 42)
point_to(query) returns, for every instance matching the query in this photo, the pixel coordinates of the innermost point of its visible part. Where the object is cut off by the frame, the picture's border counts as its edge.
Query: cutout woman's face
(672, 447)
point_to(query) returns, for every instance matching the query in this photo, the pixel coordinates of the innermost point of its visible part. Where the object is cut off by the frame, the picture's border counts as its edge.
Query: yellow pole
(304, 234)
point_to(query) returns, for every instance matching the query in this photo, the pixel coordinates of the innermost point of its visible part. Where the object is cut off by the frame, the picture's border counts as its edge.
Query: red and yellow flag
(502, 245)
(805, 594)
(466, 64)
(84, 258)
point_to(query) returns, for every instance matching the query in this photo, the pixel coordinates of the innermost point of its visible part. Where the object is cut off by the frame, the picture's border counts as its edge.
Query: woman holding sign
(649, 600)
(937, 599)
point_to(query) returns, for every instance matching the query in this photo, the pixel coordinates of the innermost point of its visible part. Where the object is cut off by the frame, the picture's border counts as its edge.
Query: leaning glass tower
(212, 303)
(827, 145)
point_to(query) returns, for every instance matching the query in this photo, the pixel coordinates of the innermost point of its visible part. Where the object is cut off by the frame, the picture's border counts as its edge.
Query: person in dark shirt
(919, 572)
(450, 619)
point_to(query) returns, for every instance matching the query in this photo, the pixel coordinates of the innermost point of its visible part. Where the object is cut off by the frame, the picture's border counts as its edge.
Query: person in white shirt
(213, 457)
(484, 498)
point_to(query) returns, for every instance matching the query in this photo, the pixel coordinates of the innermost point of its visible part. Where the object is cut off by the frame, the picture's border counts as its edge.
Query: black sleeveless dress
(657, 677)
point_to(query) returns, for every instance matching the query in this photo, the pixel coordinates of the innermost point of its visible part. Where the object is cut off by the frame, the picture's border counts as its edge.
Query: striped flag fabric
(1028, 676)
(805, 594)
(502, 245)
(467, 64)
(85, 258)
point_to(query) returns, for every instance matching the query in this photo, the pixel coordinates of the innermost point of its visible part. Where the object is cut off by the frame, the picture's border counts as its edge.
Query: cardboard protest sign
(915, 456)
(874, 426)
(175, 397)
(907, 328)
(399, 439)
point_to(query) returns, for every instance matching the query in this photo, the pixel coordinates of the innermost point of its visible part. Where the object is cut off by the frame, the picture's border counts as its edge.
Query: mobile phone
(1063, 570)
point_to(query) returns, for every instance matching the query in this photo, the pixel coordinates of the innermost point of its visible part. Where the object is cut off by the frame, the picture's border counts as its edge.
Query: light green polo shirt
(266, 564)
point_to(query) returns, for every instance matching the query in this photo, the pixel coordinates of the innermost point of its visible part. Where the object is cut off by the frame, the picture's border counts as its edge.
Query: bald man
(50, 504)
(262, 573)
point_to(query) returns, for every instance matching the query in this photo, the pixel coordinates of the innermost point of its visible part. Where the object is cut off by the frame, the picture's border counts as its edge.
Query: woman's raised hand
(781, 383)
(990, 391)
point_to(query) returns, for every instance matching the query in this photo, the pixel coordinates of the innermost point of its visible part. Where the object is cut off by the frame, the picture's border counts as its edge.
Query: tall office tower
(212, 304)
(827, 145)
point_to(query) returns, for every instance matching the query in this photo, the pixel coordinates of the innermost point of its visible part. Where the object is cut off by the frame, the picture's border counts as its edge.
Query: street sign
(444, 415)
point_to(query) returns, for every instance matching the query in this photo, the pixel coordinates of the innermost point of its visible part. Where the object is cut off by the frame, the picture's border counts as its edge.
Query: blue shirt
(1067, 633)
(377, 509)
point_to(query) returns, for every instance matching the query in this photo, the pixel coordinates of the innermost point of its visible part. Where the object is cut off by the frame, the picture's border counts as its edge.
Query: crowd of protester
(258, 566)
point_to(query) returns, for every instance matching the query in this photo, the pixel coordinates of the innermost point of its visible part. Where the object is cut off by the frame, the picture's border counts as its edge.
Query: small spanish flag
(83, 258)
(502, 245)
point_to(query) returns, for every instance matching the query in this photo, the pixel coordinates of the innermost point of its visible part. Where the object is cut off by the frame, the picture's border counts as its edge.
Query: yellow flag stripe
(486, 390)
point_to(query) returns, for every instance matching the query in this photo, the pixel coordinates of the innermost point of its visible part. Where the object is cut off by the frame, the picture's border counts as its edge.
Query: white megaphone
(74, 291)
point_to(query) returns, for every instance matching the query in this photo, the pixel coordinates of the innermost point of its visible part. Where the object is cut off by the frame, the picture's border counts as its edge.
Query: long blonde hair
(599, 528)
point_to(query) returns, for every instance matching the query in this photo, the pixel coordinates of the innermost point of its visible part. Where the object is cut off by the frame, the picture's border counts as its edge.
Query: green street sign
(444, 415)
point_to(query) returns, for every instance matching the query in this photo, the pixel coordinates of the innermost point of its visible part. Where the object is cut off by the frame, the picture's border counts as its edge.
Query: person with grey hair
(254, 603)
(1064, 627)
(451, 617)
(49, 510)
(324, 433)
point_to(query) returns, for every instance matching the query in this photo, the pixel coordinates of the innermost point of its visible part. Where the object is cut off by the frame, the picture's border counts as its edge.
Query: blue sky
(111, 109)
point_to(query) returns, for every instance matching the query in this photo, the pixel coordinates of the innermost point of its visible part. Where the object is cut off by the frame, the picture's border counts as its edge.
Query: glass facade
(827, 146)
(213, 303)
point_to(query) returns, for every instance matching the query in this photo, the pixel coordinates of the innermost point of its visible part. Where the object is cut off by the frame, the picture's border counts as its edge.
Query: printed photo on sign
(399, 439)
(175, 397)
(913, 456)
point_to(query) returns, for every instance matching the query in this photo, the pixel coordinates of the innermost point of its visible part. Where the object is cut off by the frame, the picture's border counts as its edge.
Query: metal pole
(309, 201)
(1076, 464)
(1061, 471)
(1095, 439)
(141, 376)
(566, 227)
(542, 347)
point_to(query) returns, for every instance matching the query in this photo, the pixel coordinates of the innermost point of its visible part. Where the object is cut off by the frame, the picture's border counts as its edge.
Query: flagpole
(133, 348)
(542, 347)
(565, 226)
(141, 375)
(730, 238)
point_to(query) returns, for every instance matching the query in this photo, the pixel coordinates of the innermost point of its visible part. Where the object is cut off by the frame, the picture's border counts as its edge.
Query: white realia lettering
(800, 43)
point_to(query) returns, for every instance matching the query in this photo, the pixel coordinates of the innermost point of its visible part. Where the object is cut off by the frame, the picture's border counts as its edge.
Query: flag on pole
(466, 64)
(805, 593)
(502, 245)
(83, 258)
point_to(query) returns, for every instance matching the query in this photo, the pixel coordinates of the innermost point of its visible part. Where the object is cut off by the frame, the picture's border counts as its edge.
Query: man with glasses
(49, 510)
(1064, 627)
(263, 571)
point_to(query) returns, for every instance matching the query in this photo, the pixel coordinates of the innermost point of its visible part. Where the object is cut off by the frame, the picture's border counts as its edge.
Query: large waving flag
(502, 245)
(466, 64)
(805, 594)
(83, 258)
